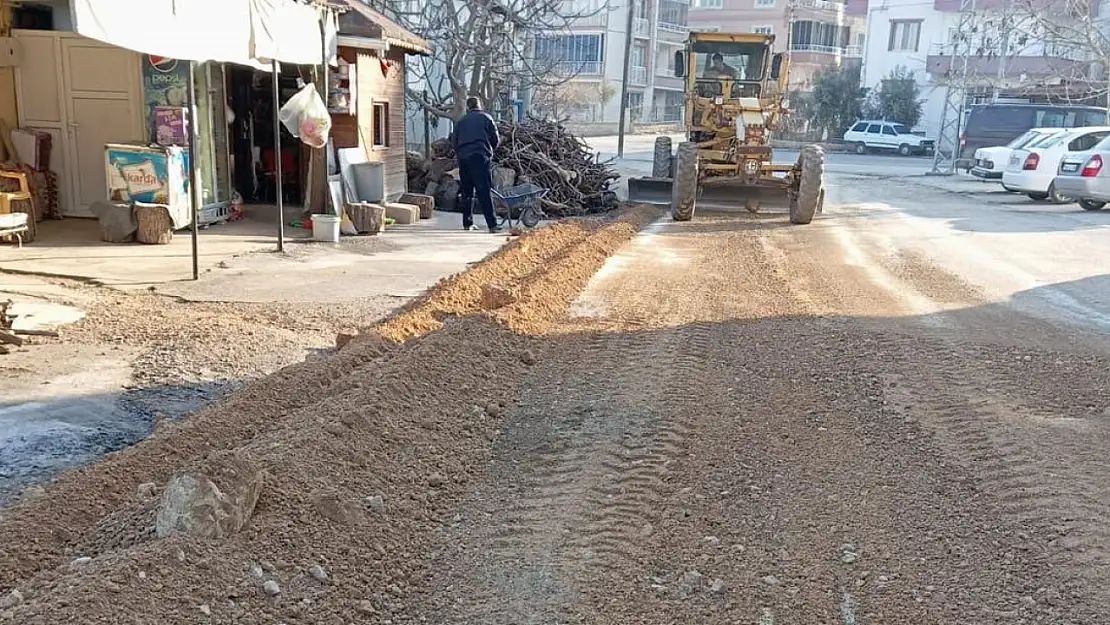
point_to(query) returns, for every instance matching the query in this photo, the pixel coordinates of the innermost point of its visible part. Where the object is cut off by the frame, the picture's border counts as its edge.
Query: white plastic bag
(306, 116)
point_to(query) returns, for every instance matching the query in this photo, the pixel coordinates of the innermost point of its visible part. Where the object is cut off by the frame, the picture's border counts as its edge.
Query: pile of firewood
(532, 151)
(14, 338)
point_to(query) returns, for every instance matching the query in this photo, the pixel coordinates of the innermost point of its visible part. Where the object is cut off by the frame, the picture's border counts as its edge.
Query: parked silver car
(1086, 176)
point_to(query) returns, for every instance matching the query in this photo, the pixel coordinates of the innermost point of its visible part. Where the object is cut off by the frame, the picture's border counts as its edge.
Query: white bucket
(325, 228)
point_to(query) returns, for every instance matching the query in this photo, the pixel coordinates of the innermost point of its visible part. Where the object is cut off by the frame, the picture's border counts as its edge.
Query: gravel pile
(355, 460)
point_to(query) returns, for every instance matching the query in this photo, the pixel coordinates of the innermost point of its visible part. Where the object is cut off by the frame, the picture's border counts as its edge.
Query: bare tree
(1075, 39)
(485, 48)
(564, 100)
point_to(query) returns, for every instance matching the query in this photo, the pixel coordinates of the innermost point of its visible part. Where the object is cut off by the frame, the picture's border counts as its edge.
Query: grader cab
(735, 99)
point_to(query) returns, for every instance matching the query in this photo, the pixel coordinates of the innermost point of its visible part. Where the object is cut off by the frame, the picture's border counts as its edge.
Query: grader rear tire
(811, 190)
(685, 186)
(661, 160)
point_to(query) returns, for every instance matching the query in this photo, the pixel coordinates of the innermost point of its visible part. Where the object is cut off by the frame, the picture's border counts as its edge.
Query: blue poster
(165, 83)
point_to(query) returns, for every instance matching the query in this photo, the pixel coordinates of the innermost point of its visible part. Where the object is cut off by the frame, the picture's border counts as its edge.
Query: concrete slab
(401, 262)
(72, 248)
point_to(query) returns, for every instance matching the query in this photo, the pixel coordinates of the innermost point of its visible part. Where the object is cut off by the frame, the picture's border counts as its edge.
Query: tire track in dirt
(584, 470)
(1045, 470)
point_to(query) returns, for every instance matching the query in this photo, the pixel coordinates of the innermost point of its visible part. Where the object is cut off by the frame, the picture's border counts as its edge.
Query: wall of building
(389, 88)
(8, 111)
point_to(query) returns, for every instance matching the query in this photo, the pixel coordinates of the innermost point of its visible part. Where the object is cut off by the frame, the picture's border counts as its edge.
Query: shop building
(84, 94)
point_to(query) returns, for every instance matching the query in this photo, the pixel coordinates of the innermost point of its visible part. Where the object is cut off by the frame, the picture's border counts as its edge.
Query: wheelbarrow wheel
(530, 217)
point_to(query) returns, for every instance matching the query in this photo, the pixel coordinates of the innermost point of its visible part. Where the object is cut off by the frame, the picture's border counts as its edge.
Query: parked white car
(1032, 170)
(990, 163)
(1085, 176)
(866, 135)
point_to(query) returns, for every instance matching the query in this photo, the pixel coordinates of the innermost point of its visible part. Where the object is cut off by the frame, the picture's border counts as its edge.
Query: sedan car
(1032, 169)
(866, 135)
(990, 163)
(1085, 176)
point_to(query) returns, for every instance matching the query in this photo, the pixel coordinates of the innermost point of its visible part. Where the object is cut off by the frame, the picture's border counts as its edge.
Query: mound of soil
(363, 456)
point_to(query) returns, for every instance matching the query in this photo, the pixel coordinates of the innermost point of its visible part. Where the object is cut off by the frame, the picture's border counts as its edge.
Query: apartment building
(1008, 60)
(590, 53)
(823, 34)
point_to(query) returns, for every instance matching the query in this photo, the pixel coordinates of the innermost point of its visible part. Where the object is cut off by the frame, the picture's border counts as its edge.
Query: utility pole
(947, 150)
(624, 78)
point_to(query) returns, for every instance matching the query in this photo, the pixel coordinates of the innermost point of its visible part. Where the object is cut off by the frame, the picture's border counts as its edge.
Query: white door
(103, 105)
(39, 99)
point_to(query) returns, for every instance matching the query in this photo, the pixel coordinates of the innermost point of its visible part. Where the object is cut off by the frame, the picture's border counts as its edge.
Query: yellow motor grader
(735, 99)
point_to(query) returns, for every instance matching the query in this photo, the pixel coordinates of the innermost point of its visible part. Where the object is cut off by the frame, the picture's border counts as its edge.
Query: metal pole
(276, 71)
(624, 78)
(194, 163)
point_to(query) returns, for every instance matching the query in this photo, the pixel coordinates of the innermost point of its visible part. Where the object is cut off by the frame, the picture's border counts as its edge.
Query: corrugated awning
(363, 21)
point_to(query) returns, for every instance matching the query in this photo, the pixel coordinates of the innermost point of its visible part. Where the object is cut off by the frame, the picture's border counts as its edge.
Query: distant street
(639, 148)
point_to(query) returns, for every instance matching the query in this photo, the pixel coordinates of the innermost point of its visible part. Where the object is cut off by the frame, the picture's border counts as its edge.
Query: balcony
(641, 28)
(638, 76)
(850, 52)
(1016, 66)
(585, 69)
(599, 19)
(668, 81)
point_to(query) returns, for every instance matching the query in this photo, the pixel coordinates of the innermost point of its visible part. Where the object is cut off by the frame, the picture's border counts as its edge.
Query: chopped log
(50, 333)
(426, 203)
(154, 224)
(6, 336)
(367, 218)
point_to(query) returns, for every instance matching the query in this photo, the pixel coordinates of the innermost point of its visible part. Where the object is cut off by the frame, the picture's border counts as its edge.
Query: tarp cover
(247, 32)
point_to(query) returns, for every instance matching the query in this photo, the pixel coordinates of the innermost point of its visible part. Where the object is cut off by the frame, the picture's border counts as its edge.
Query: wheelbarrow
(523, 200)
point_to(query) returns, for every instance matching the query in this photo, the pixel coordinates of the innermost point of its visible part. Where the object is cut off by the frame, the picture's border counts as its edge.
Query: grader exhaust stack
(735, 88)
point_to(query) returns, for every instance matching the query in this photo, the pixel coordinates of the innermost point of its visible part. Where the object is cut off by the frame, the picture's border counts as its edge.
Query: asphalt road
(638, 156)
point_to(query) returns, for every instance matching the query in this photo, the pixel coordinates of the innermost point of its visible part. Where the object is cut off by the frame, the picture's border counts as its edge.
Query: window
(902, 129)
(574, 53)
(888, 131)
(708, 4)
(764, 4)
(860, 127)
(674, 12)
(810, 35)
(763, 30)
(1087, 141)
(381, 124)
(639, 55)
(904, 35)
(873, 129)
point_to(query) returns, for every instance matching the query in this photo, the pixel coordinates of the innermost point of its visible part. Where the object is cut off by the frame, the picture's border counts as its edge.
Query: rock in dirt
(13, 599)
(494, 297)
(436, 480)
(214, 501)
(376, 503)
(333, 506)
(770, 580)
(345, 337)
(528, 358)
(147, 490)
(271, 588)
(689, 582)
(318, 573)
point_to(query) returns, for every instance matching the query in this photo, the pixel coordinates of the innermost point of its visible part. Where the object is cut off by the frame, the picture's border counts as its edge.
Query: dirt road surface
(866, 420)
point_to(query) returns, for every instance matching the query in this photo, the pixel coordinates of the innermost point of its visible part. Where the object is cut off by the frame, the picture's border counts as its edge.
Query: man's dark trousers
(476, 179)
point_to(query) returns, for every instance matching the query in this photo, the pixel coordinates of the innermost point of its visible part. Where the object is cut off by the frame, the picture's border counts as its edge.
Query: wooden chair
(10, 225)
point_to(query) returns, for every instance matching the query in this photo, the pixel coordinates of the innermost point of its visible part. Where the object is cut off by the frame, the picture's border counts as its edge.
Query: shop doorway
(85, 94)
(254, 153)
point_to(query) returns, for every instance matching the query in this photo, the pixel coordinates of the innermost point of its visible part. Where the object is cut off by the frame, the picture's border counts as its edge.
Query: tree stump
(425, 203)
(154, 224)
(367, 218)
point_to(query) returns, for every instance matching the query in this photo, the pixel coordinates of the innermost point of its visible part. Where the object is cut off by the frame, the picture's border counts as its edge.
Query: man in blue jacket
(475, 140)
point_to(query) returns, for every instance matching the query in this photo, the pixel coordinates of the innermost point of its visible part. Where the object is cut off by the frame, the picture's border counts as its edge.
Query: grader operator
(735, 98)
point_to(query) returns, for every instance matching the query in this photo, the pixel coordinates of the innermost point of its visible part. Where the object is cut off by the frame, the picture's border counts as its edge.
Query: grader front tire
(685, 186)
(811, 189)
(661, 165)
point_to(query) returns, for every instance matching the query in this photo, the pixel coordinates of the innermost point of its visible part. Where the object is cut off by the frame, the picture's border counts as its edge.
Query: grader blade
(736, 197)
(650, 191)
